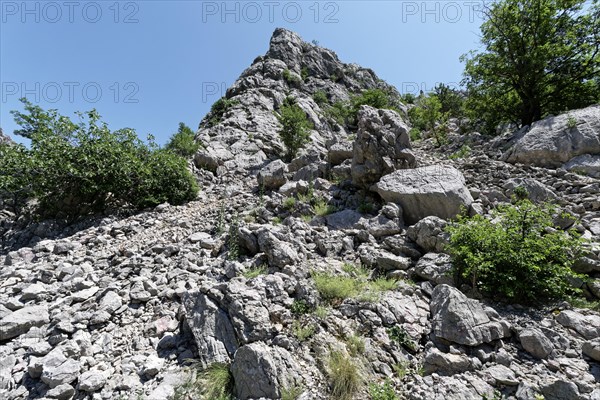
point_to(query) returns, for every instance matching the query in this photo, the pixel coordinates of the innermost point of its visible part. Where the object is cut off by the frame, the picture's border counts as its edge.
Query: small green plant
(356, 271)
(276, 220)
(218, 110)
(344, 376)
(300, 307)
(401, 369)
(218, 382)
(295, 127)
(383, 284)
(415, 134)
(301, 331)
(321, 208)
(291, 78)
(333, 288)
(399, 335)
(355, 345)
(183, 142)
(366, 207)
(518, 257)
(571, 122)
(289, 203)
(233, 243)
(427, 116)
(463, 152)
(320, 97)
(292, 392)
(304, 73)
(255, 271)
(321, 312)
(306, 218)
(383, 391)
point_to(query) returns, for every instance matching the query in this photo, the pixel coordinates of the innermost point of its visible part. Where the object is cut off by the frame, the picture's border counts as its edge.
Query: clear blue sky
(150, 64)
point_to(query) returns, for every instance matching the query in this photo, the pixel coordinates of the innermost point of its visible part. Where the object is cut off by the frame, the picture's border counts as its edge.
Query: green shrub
(295, 127)
(304, 74)
(383, 391)
(289, 203)
(320, 97)
(399, 335)
(233, 242)
(300, 307)
(451, 100)
(218, 110)
(463, 152)
(183, 143)
(427, 116)
(321, 208)
(302, 332)
(335, 288)
(344, 376)
(518, 257)
(254, 272)
(291, 78)
(77, 169)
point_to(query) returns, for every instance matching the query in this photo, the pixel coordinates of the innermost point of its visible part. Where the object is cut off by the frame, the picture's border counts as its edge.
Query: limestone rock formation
(434, 190)
(557, 140)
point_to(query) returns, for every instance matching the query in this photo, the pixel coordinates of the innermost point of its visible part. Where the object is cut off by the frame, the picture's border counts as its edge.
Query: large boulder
(433, 190)
(461, 320)
(554, 141)
(587, 326)
(382, 145)
(272, 176)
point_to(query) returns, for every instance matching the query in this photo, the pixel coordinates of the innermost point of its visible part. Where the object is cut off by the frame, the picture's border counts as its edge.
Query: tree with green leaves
(74, 169)
(183, 142)
(539, 57)
(427, 116)
(295, 127)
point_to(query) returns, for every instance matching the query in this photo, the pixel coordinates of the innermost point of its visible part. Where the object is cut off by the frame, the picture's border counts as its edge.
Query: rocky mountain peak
(240, 133)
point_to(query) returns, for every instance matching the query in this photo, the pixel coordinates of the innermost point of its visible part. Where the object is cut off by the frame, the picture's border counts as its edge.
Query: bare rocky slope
(115, 307)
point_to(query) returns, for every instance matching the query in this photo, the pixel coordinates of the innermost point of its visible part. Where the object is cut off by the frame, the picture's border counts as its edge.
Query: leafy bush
(451, 100)
(344, 376)
(399, 335)
(292, 392)
(382, 391)
(321, 208)
(218, 110)
(302, 332)
(295, 127)
(254, 272)
(427, 116)
(320, 97)
(291, 78)
(300, 307)
(75, 169)
(517, 257)
(183, 143)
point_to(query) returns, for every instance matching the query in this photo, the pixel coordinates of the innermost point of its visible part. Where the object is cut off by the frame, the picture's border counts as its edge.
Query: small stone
(91, 381)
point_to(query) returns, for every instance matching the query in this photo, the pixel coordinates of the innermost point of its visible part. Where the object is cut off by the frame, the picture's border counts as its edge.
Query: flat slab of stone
(20, 321)
(433, 190)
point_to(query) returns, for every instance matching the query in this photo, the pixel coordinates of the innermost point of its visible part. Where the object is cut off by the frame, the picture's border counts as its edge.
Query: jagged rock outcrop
(243, 136)
(382, 146)
(556, 140)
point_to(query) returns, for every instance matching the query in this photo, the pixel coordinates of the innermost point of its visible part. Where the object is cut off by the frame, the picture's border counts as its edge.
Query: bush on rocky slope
(519, 256)
(295, 127)
(75, 169)
(183, 142)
